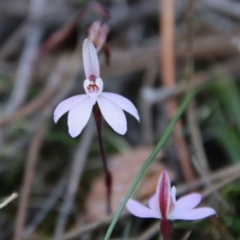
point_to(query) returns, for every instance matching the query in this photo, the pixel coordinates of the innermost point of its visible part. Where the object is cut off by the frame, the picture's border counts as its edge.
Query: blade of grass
(153, 154)
(127, 228)
(228, 94)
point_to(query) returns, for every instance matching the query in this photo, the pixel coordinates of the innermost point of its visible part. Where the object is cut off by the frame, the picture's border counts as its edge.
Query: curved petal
(152, 203)
(164, 195)
(113, 115)
(188, 202)
(66, 105)
(90, 59)
(79, 116)
(193, 214)
(139, 210)
(99, 83)
(123, 103)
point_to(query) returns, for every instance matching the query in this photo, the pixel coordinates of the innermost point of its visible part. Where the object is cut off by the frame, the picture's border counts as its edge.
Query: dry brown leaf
(124, 169)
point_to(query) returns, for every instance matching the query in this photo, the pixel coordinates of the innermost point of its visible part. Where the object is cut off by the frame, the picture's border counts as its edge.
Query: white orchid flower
(80, 106)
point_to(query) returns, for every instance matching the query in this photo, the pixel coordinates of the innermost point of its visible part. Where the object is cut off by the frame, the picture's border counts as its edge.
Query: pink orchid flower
(163, 205)
(80, 106)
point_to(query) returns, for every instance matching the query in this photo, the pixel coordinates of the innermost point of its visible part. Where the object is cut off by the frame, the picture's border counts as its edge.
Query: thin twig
(28, 56)
(90, 227)
(186, 235)
(216, 222)
(26, 64)
(221, 229)
(151, 72)
(27, 182)
(79, 159)
(46, 95)
(159, 95)
(49, 203)
(216, 176)
(191, 112)
(230, 8)
(168, 77)
(205, 175)
(13, 43)
(7, 200)
(210, 46)
(221, 184)
(201, 163)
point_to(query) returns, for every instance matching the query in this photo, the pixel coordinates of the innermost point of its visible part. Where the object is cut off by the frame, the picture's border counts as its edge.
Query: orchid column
(108, 105)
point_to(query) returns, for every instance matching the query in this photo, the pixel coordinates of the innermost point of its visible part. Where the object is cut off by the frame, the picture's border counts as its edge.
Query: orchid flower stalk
(108, 105)
(108, 176)
(163, 205)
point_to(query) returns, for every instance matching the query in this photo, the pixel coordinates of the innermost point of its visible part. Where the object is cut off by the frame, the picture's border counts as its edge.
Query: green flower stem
(149, 160)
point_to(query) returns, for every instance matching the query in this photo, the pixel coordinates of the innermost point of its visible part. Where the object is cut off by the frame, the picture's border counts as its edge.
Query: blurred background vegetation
(59, 179)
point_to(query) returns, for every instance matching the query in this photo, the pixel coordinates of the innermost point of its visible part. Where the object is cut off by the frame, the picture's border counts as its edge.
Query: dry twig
(168, 78)
(79, 159)
(28, 178)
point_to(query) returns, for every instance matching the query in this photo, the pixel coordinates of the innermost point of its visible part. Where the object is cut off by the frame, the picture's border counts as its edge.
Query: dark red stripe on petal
(164, 192)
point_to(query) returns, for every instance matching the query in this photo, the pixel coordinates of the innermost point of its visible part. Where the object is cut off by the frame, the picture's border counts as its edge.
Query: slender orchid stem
(108, 177)
(166, 229)
(149, 160)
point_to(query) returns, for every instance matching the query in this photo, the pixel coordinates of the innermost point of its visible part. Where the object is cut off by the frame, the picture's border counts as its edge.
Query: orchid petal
(66, 105)
(99, 83)
(123, 103)
(152, 203)
(79, 116)
(139, 210)
(113, 114)
(163, 192)
(193, 214)
(90, 59)
(173, 194)
(188, 202)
